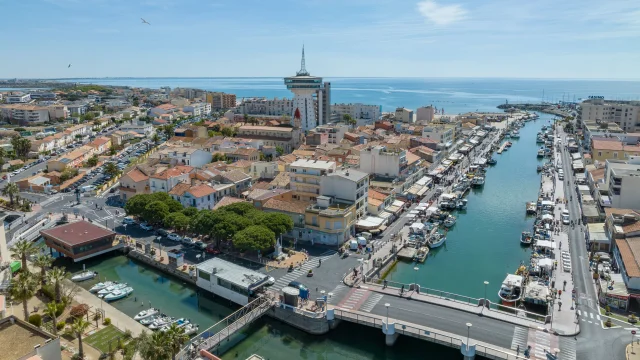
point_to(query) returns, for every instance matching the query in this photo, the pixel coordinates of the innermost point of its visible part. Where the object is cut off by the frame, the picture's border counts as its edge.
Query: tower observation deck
(304, 87)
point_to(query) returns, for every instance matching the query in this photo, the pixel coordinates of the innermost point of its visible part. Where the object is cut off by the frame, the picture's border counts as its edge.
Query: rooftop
(227, 200)
(235, 176)
(314, 164)
(297, 207)
(201, 190)
(18, 339)
(615, 145)
(235, 274)
(353, 175)
(76, 233)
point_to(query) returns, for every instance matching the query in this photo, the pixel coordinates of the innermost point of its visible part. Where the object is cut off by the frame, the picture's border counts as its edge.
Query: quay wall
(311, 325)
(162, 267)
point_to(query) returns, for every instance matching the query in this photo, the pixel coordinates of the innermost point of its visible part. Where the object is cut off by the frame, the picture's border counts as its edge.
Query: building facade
(264, 106)
(363, 114)
(304, 87)
(625, 114)
(382, 161)
(349, 186)
(306, 176)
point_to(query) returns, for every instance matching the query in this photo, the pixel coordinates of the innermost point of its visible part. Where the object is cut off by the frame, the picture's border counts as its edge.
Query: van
(353, 245)
(362, 241)
(365, 235)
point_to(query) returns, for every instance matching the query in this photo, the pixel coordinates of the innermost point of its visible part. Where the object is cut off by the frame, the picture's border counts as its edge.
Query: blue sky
(375, 38)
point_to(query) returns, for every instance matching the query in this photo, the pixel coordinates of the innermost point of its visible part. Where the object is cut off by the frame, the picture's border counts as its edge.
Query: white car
(270, 281)
(128, 221)
(145, 226)
(565, 217)
(174, 237)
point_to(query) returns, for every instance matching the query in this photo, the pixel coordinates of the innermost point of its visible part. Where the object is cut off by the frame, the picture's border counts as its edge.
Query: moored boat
(541, 152)
(191, 329)
(511, 290)
(85, 275)
(539, 168)
(450, 221)
(526, 238)
(477, 181)
(437, 240)
(182, 322)
(102, 285)
(492, 161)
(146, 313)
(118, 294)
(461, 204)
(111, 289)
(160, 322)
(515, 134)
(149, 320)
(422, 253)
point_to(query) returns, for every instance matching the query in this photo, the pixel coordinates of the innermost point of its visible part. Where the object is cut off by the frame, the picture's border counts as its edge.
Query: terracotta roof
(631, 148)
(100, 141)
(629, 250)
(423, 149)
(241, 164)
(288, 158)
(180, 189)
(282, 180)
(297, 207)
(597, 174)
(227, 200)
(77, 233)
(235, 176)
(201, 190)
(137, 175)
(377, 195)
(262, 185)
(169, 173)
(374, 202)
(412, 158)
(606, 145)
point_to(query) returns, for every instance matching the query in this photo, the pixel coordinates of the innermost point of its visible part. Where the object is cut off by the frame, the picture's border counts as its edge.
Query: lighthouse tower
(304, 87)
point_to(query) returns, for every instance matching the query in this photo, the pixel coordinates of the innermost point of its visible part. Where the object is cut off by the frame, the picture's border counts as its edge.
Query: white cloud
(441, 14)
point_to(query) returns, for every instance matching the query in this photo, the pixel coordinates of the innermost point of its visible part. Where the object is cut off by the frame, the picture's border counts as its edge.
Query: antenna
(303, 69)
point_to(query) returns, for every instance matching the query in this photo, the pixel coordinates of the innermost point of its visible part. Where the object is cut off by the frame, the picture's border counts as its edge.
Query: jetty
(407, 253)
(503, 147)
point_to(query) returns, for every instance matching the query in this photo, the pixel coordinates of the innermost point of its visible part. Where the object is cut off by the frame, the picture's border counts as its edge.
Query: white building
(363, 114)
(18, 99)
(139, 127)
(404, 115)
(264, 106)
(24, 114)
(335, 132)
(623, 178)
(351, 186)
(184, 156)
(306, 175)
(166, 180)
(264, 169)
(228, 280)
(304, 87)
(198, 109)
(440, 133)
(626, 115)
(382, 161)
(201, 196)
(425, 113)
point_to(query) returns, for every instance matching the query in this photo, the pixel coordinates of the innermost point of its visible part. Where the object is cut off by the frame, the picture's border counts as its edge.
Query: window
(204, 275)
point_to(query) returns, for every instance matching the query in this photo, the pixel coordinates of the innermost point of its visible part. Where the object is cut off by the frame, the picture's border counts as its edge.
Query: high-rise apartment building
(625, 114)
(305, 88)
(221, 101)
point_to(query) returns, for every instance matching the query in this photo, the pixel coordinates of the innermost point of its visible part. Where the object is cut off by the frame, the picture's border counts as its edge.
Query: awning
(423, 190)
(413, 190)
(546, 244)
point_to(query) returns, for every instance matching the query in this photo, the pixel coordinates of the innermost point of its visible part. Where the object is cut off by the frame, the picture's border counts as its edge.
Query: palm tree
(78, 328)
(51, 310)
(43, 262)
(155, 138)
(11, 190)
(22, 250)
(175, 339)
(24, 288)
(111, 169)
(55, 276)
(154, 346)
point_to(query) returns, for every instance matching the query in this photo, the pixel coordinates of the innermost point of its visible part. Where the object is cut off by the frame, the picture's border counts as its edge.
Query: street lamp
(468, 332)
(387, 306)
(485, 292)
(415, 283)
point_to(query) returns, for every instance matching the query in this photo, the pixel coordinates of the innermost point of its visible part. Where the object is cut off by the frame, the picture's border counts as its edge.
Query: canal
(484, 244)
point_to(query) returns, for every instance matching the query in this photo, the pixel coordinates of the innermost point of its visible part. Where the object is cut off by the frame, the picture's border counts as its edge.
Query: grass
(100, 339)
(613, 315)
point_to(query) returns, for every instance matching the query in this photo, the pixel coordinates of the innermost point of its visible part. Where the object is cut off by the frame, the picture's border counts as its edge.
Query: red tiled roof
(628, 255)
(180, 189)
(201, 190)
(78, 232)
(606, 145)
(137, 175)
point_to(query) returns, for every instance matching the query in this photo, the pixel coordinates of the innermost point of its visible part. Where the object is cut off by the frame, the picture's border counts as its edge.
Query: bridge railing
(410, 330)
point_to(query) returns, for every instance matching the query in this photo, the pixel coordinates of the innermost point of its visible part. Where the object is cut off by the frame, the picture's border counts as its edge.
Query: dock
(503, 147)
(407, 253)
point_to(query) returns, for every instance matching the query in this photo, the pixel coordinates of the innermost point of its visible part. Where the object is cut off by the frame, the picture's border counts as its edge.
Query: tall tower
(304, 87)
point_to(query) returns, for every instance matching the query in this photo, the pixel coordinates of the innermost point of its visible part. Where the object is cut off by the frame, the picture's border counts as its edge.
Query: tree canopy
(155, 212)
(177, 221)
(276, 222)
(254, 237)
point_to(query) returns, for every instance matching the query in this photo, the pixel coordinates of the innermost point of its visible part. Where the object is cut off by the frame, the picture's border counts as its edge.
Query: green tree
(174, 205)
(276, 222)
(202, 223)
(78, 328)
(190, 211)
(279, 150)
(11, 190)
(3, 154)
(21, 146)
(155, 138)
(97, 123)
(154, 346)
(68, 173)
(348, 119)
(168, 130)
(22, 289)
(111, 169)
(218, 157)
(136, 102)
(254, 237)
(227, 224)
(22, 250)
(135, 206)
(51, 310)
(240, 208)
(112, 150)
(56, 276)
(228, 132)
(93, 160)
(155, 212)
(177, 221)
(175, 339)
(43, 262)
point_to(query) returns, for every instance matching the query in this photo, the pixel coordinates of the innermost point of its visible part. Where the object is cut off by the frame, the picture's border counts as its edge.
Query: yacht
(149, 320)
(182, 322)
(477, 181)
(492, 161)
(85, 275)
(103, 285)
(119, 294)
(190, 329)
(110, 289)
(511, 290)
(146, 313)
(160, 322)
(437, 240)
(461, 204)
(526, 238)
(450, 221)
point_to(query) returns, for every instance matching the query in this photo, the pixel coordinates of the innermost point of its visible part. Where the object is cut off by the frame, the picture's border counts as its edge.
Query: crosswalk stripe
(591, 314)
(579, 312)
(598, 317)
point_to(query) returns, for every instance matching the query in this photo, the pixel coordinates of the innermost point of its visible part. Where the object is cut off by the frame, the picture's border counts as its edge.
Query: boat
(515, 134)
(531, 208)
(437, 240)
(461, 204)
(422, 253)
(149, 320)
(526, 238)
(103, 285)
(111, 289)
(190, 329)
(182, 322)
(118, 294)
(539, 168)
(160, 322)
(450, 221)
(146, 313)
(477, 181)
(511, 290)
(541, 152)
(508, 144)
(492, 161)
(85, 275)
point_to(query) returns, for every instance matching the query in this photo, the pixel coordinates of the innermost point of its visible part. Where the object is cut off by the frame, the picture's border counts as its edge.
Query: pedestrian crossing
(541, 343)
(299, 271)
(588, 317)
(336, 294)
(377, 244)
(371, 302)
(567, 346)
(520, 338)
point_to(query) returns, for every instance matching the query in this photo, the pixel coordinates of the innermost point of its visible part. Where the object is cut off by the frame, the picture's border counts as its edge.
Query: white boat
(119, 294)
(526, 238)
(515, 134)
(511, 290)
(461, 204)
(437, 240)
(477, 181)
(450, 221)
(182, 322)
(541, 152)
(158, 323)
(190, 329)
(146, 313)
(99, 286)
(149, 320)
(85, 275)
(110, 289)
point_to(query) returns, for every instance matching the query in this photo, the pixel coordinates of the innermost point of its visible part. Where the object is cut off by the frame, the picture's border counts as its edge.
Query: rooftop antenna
(303, 69)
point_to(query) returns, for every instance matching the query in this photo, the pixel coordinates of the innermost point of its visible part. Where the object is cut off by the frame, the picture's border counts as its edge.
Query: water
(454, 95)
(484, 244)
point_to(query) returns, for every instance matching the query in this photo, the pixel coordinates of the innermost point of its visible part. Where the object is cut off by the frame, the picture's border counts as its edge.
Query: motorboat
(160, 322)
(477, 181)
(450, 221)
(461, 204)
(85, 275)
(110, 289)
(541, 152)
(102, 285)
(515, 134)
(511, 290)
(422, 253)
(526, 238)
(182, 322)
(437, 240)
(532, 208)
(539, 168)
(492, 161)
(146, 313)
(149, 320)
(190, 329)
(118, 294)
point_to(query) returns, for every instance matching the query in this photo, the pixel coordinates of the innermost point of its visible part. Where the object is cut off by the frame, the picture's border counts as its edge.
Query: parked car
(188, 241)
(270, 281)
(200, 245)
(162, 232)
(145, 226)
(174, 237)
(128, 221)
(212, 249)
(565, 217)
(298, 285)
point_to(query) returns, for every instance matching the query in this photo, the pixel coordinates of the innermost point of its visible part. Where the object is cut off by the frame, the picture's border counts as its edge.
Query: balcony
(335, 210)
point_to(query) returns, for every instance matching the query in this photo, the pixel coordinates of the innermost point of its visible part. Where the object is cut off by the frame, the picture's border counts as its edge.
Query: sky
(343, 38)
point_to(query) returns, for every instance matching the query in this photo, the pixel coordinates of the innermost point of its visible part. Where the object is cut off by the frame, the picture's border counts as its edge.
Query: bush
(35, 319)
(79, 310)
(19, 129)
(48, 291)
(60, 325)
(106, 322)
